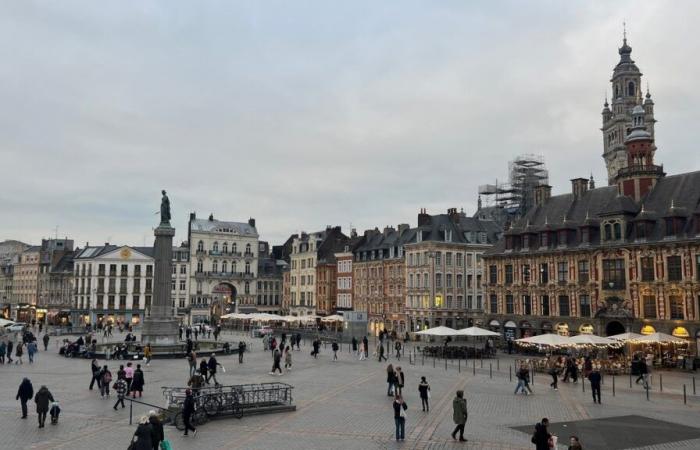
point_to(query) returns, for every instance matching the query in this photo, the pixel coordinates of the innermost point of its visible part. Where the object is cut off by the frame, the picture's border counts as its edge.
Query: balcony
(613, 285)
(641, 170)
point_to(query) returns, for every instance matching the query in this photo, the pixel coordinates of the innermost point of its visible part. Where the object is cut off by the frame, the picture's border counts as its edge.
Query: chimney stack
(193, 216)
(423, 218)
(579, 186)
(251, 222)
(542, 193)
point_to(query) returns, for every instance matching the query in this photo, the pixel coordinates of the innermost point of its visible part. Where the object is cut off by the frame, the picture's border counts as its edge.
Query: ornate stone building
(379, 278)
(624, 257)
(444, 270)
(223, 267)
(269, 288)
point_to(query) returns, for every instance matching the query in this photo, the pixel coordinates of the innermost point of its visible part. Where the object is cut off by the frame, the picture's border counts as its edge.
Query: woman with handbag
(400, 408)
(424, 391)
(390, 379)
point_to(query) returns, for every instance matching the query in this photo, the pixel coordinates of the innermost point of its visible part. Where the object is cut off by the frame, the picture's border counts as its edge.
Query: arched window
(215, 266)
(215, 247)
(630, 89)
(247, 287)
(200, 266)
(224, 267)
(225, 247)
(247, 249)
(200, 246)
(608, 232)
(233, 248)
(617, 91)
(618, 231)
(233, 267)
(247, 267)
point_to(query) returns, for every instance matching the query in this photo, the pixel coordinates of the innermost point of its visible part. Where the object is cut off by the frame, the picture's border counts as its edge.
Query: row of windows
(303, 280)
(446, 302)
(264, 299)
(373, 289)
(303, 263)
(437, 258)
(344, 283)
(424, 281)
(345, 266)
(224, 267)
(224, 248)
(544, 307)
(265, 285)
(305, 299)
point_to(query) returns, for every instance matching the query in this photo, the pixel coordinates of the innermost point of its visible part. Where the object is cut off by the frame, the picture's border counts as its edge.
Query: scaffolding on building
(516, 196)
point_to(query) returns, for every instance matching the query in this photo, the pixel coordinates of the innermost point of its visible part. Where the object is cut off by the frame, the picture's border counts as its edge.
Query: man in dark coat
(24, 393)
(541, 436)
(42, 399)
(366, 342)
(241, 350)
(46, 341)
(157, 433)
(459, 415)
(187, 411)
(212, 368)
(595, 379)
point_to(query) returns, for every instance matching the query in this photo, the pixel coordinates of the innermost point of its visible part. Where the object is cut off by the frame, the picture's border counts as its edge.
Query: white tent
(626, 337)
(333, 318)
(4, 322)
(475, 331)
(438, 331)
(592, 339)
(551, 340)
(660, 338)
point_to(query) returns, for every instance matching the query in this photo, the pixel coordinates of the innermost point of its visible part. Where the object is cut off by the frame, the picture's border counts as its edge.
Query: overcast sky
(303, 114)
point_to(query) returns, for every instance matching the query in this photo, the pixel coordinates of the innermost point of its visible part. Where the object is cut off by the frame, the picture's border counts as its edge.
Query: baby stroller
(54, 412)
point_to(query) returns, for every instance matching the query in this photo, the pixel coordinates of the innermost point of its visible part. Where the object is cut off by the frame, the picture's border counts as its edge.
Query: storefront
(509, 330)
(526, 329)
(495, 325)
(562, 329)
(647, 330)
(586, 328)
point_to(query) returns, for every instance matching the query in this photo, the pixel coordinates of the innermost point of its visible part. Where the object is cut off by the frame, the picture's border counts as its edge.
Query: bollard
(131, 411)
(422, 360)
(630, 380)
(613, 377)
(685, 399)
(459, 365)
(474, 367)
(498, 365)
(490, 370)
(482, 362)
(445, 363)
(433, 362)
(647, 389)
(510, 374)
(661, 382)
(694, 386)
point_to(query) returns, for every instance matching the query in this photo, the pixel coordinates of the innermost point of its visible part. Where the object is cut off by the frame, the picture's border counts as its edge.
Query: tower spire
(624, 32)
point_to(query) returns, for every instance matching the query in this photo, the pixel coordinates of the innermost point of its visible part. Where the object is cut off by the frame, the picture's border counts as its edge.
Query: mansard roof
(673, 196)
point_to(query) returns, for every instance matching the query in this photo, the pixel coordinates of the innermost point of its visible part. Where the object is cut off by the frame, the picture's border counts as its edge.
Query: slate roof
(464, 229)
(673, 196)
(205, 225)
(94, 252)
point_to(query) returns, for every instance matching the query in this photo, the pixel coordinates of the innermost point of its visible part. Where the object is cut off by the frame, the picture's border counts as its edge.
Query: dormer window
(526, 241)
(612, 231)
(419, 236)
(585, 235)
(448, 235)
(563, 237)
(544, 239)
(509, 242)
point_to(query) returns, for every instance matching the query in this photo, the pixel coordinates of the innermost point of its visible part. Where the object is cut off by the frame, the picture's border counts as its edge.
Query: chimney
(579, 186)
(193, 216)
(542, 193)
(387, 230)
(211, 217)
(353, 233)
(402, 227)
(454, 215)
(423, 218)
(251, 222)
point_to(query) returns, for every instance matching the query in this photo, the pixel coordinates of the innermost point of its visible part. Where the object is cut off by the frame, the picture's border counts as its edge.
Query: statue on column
(165, 209)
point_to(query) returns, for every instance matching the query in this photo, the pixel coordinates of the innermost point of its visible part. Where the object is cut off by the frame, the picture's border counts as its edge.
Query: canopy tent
(626, 337)
(592, 339)
(549, 340)
(333, 318)
(475, 331)
(660, 338)
(438, 331)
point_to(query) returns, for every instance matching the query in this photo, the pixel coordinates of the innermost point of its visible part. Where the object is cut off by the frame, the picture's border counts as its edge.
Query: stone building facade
(379, 278)
(54, 281)
(269, 281)
(223, 267)
(25, 283)
(444, 270)
(624, 257)
(10, 252)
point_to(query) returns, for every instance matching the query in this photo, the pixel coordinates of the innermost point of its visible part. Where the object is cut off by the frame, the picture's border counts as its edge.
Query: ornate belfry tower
(617, 117)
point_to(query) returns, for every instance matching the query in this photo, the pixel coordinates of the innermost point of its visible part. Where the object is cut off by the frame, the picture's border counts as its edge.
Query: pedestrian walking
(398, 373)
(31, 350)
(187, 411)
(148, 354)
(390, 379)
(288, 359)
(459, 415)
(424, 392)
(595, 378)
(129, 375)
(143, 436)
(519, 375)
(46, 340)
(298, 341)
(157, 432)
(397, 347)
(9, 351)
(95, 370)
(105, 379)
(192, 361)
(354, 345)
(204, 370)
(121, 387)
(3, 349)
(365, 343)
(316, 344)
(196, 381)
(43, 399)
(213, 364)
(362, 352)
(19, 351)
(276, 359)
(241, 350)
(380, 351)
(554, 371)
(24, 394)
(334, 347)
(400, 408)
(137, 382)
(541, 438)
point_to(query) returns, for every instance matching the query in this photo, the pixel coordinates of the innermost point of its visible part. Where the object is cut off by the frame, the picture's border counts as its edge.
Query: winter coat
(399, 378)
(541, 437)
(25, 391)
(42, 399)
(459, 410)
(120, 386)
(2, 349)
(423, 389)
(137, 382)
(19, 351)
(188, 406)
(157, 433)
(212, 364)
(143, 437)
(595, 379)
(397, 408)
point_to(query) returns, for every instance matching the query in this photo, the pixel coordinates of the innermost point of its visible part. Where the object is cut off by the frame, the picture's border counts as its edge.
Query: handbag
(428, 393)
(402, 412)
(165, 445)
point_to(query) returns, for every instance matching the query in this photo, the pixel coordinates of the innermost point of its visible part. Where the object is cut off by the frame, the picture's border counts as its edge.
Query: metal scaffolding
(516, 196)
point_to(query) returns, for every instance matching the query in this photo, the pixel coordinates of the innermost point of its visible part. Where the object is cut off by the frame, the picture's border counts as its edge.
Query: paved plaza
(343, 405)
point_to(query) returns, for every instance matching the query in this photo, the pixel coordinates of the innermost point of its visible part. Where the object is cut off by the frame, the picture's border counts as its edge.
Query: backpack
(107, 377)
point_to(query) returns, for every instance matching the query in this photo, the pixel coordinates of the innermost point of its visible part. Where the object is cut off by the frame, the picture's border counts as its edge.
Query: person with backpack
(106, 379)
(334, 347)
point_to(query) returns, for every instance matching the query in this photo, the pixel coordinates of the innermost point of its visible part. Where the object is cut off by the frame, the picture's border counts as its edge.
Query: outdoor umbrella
(592, 339)
(438, 331)
(626, 337)
(661, 338)
(549, 340)
(475, 331)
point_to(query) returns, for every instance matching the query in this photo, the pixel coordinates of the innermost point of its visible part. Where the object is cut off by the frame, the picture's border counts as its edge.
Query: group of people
(205, 372)
(45, 403)
(149, 434)
(544, 440)
(200, 329)
(28, 343)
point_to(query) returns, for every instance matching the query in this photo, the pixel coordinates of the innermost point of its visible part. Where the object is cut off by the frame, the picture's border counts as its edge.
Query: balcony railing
(614, 285)
(641, 169)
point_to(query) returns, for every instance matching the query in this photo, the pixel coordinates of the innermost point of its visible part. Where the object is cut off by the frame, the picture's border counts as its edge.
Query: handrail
(131, 408)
